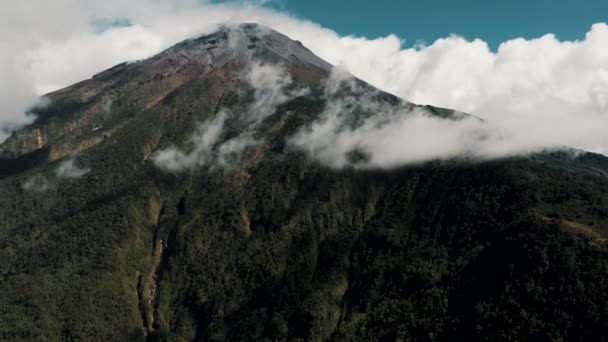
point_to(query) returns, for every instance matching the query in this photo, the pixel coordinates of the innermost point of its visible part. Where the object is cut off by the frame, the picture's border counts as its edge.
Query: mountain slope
(163, 199)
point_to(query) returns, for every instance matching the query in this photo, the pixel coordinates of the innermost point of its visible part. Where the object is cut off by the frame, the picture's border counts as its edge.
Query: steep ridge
(164, 199)
(99, 104)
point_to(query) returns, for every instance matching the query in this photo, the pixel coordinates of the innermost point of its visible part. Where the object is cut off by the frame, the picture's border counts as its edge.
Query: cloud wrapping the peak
(538, 93)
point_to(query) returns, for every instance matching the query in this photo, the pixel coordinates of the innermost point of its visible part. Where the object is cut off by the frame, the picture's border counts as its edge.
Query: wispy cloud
(68, 169)
(65, 171)
(37, 183)
(174, 159)
(358, 129)
(270, 85)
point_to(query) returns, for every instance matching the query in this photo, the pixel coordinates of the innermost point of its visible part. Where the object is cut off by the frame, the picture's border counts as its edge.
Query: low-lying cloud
(174, 159)
(69, 170)
(36, 183)
(357, 128)
(271, 87)
(65, 171)
(533, 93)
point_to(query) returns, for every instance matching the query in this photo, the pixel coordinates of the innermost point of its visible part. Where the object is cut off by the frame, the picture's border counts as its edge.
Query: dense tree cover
(278, 247)
(435, 253)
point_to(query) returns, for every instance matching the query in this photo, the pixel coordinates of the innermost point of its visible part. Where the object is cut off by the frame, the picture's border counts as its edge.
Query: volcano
(187, 197)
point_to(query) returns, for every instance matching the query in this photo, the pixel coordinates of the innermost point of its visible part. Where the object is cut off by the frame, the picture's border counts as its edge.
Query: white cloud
(356, 128)
(17, 97)
(68, 169)
(539, 93)
(36, 183)
(269, 84)
(173, 159)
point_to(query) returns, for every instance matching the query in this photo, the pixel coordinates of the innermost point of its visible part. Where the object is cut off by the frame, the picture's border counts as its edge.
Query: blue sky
(492, 21)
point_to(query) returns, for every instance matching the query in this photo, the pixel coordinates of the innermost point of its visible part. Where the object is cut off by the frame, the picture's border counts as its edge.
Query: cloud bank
(536, 93)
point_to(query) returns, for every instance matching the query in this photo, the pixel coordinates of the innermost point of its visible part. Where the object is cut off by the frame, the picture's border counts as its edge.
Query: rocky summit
(194, 196)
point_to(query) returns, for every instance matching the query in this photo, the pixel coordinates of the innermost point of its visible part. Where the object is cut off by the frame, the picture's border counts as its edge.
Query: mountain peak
(244, 43)
(95, 107)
